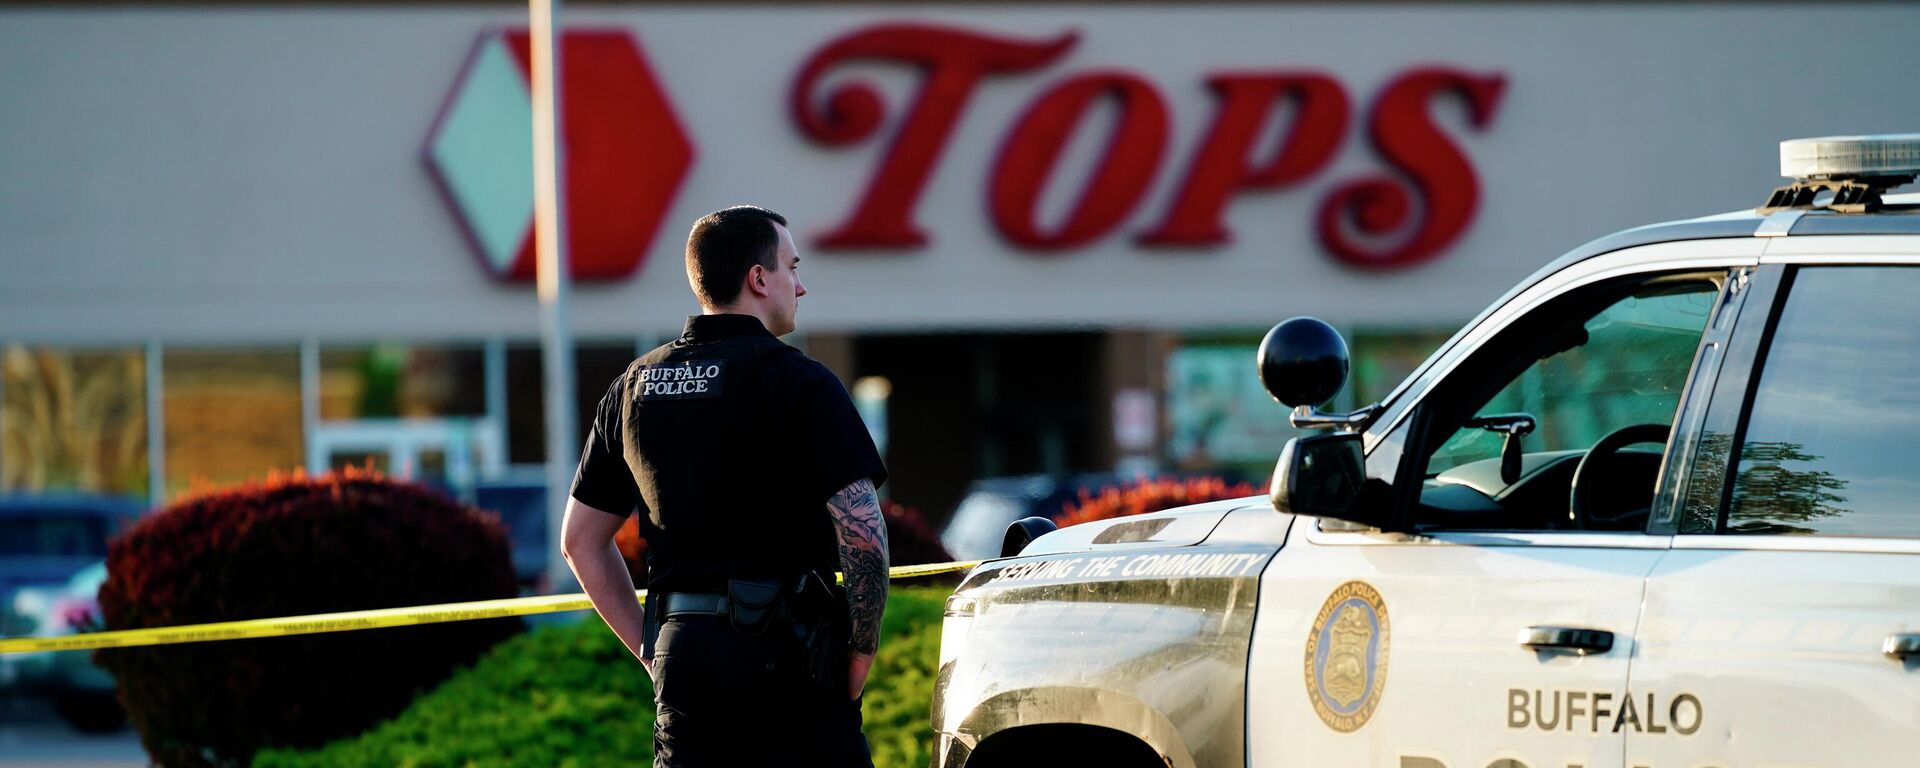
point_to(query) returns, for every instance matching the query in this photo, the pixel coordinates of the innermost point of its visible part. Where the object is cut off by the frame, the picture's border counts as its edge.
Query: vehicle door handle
(1902, 646)
(1574, 640)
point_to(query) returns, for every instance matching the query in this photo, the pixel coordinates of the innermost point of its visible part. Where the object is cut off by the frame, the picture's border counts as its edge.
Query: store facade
(243, 239)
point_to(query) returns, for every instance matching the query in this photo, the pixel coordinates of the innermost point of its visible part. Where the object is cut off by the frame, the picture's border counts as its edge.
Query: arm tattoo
(862, 530)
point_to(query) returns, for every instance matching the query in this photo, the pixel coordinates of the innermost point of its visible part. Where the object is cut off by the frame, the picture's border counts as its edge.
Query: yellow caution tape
(930, 569)
(355, 620)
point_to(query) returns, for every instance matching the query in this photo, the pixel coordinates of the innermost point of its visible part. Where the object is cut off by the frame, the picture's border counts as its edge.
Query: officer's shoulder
(650, 357)
(618, 384)
(633, 366)
(789, 362)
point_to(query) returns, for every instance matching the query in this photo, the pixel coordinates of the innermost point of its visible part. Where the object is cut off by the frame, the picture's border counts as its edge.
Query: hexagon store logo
(1347, 656)
(626, 152)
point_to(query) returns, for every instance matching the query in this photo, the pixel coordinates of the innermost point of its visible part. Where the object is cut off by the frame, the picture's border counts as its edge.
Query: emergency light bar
(1834, 157)
(1844, 174)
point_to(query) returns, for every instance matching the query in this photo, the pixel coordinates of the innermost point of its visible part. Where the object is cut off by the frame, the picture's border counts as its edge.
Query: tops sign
(1377, 221)
(627, 153)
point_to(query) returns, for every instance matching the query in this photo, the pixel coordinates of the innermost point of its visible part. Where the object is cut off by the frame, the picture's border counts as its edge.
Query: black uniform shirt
(729, 442)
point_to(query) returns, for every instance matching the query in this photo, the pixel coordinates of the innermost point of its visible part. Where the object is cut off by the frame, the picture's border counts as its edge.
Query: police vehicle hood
(1241, 520)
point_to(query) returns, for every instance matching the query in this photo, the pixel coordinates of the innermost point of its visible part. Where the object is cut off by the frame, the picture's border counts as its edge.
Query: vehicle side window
(1628, 366)
(1830, 442)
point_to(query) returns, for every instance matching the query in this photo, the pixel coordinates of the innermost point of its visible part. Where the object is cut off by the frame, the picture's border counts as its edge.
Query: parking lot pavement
(32, 735)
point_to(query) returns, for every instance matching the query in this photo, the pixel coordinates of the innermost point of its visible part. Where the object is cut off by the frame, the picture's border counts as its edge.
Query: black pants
(723, 698)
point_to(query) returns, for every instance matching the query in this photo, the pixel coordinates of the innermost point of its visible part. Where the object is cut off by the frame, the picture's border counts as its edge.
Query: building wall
(255, 173)
(221, 220)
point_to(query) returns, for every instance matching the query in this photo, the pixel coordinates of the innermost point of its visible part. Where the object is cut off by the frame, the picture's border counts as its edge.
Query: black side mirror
(1322, 476)
(1303, 361)
(1022, 532)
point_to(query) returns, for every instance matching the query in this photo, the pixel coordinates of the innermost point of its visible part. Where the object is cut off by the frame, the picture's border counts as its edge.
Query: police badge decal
(1347, 656)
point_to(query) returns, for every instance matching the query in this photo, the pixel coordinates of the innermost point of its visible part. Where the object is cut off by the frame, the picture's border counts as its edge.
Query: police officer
(754, 481)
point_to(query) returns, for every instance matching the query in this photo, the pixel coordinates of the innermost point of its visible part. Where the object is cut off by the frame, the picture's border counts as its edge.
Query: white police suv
(1657, 507)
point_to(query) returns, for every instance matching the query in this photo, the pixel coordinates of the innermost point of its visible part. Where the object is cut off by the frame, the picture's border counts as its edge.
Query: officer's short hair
(724, 245)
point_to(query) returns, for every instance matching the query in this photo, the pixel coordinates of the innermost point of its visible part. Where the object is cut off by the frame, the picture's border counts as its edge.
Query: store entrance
(450, 454)
(963, 407)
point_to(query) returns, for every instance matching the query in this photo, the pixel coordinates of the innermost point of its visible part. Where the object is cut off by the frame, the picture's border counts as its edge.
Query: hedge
(569, 694)
(288, 546)
(1143, 495)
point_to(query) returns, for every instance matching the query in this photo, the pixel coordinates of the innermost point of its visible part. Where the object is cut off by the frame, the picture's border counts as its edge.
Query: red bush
(289, 546)
(911, 540)
(1143, 496)
(633, 548)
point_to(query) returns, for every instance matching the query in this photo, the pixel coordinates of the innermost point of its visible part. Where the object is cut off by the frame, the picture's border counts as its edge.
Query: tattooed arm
(862, 531)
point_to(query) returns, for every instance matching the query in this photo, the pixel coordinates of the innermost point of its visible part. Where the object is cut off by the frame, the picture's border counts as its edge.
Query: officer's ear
(757, 280)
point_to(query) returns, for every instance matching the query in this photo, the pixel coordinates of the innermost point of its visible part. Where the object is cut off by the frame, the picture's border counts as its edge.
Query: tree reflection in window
(1771, 493)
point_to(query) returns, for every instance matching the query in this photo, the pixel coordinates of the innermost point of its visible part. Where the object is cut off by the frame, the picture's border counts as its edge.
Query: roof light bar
(1837, 157)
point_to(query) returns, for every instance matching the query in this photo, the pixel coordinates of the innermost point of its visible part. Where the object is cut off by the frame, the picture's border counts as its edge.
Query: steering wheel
(1589, 477)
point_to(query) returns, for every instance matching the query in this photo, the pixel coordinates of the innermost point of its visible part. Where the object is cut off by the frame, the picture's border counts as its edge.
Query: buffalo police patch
(683, 380)
(1347, 656)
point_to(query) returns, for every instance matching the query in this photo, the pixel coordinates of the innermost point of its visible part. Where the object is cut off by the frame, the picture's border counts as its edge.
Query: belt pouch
(752, 603)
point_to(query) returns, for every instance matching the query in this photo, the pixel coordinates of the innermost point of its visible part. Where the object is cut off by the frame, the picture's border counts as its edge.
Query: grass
(569, 694)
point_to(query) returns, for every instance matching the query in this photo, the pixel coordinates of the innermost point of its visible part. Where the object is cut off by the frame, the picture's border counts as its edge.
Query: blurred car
(519, 498)
(53, 550)
(979, 523)
(47, 538)
(81, 692)
(521, 504)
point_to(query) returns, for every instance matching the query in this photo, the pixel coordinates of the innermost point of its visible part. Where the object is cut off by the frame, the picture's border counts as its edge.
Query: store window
(595, 366)
(74, 420)
(1382, 358)
(1220, 416)
(388, 381)
(1829, 446)
(230, 415)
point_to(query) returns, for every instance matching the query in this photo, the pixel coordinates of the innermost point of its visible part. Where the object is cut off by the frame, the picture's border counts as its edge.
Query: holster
(821, 626)
(752, 604)
(651, 617)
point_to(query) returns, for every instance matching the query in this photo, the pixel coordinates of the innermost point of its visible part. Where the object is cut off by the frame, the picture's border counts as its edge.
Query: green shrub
(900, 690)
(569, 694)
(563, 694)
(291, 546)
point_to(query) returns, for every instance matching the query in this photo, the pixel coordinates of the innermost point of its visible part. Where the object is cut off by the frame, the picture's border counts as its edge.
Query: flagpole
(550, 252)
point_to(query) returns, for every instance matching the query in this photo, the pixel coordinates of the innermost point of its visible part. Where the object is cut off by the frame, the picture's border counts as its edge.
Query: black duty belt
(704, 604)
